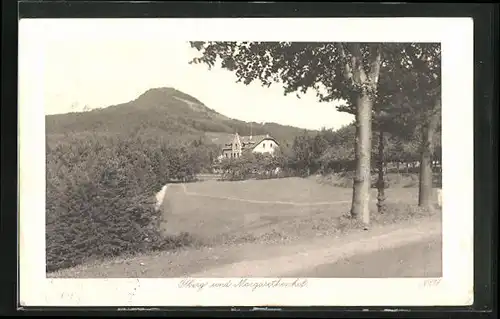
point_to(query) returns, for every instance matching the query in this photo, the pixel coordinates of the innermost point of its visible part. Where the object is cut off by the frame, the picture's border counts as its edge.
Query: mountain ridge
(168, 112)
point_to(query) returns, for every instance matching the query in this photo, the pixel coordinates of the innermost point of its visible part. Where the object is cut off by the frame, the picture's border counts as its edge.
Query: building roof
(250, 141)
(253, 139)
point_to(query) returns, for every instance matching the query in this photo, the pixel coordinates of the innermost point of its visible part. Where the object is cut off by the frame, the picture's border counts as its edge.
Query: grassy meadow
(216, 212)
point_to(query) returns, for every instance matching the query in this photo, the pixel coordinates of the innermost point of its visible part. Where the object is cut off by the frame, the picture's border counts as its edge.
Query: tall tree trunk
(428, 130)
(361, 187)
(380, 181)
(397, 166)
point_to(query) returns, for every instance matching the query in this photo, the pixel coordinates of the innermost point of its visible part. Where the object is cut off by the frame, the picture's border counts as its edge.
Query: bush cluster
(100, 195)
(392, 180)
(253, 166)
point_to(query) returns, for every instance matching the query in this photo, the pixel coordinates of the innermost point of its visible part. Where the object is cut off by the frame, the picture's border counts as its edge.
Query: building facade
(257, 144)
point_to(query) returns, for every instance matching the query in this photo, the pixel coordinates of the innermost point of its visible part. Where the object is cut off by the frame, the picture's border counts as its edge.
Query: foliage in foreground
(100, 196)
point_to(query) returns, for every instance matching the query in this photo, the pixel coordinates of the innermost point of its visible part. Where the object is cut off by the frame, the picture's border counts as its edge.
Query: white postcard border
(456, 286)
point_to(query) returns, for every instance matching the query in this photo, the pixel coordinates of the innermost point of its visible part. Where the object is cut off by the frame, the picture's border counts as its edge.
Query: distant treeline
(328, 151)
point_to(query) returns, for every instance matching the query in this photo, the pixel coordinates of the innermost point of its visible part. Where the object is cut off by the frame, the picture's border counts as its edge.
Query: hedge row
(100, 196)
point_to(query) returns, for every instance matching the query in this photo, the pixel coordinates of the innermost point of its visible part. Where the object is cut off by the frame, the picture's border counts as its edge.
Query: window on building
(263, 145)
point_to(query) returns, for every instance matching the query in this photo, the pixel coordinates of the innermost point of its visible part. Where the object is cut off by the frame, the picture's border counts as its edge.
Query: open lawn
(292, 189)
(257, 209)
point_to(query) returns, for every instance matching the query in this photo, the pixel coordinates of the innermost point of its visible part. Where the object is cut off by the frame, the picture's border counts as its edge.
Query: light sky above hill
(98, 63)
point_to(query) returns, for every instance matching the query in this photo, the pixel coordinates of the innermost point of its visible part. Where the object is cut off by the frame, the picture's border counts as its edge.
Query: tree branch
(357, 64)
(375, 61)
(347, 68)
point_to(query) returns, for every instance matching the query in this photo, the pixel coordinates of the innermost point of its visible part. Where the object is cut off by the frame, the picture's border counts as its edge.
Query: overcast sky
(85, 63)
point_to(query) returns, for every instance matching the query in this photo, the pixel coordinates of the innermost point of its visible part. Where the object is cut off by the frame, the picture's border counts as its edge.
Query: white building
(256, 144)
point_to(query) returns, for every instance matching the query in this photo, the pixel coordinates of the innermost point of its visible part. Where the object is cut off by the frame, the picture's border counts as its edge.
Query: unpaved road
(382, 248)
(421, 259)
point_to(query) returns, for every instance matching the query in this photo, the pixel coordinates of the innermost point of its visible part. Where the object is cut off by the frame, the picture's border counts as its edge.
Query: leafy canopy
(336, 71)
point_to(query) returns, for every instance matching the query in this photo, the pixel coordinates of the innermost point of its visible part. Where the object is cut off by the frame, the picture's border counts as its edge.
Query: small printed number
(432, 282)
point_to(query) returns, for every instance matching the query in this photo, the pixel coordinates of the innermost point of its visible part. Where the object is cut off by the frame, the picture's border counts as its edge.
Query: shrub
(392, 180)
(250, 165)
(394, 213)
(100, 196)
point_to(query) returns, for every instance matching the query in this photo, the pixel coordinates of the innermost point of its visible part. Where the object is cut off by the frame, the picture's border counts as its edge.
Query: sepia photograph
(233, 162)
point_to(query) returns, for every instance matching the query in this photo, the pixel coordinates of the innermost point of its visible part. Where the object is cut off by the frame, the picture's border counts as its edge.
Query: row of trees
(333, 151)
(326, 152)
(391, 88)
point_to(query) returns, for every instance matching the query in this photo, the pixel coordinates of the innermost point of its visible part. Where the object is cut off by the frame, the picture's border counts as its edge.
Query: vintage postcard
(246, 162)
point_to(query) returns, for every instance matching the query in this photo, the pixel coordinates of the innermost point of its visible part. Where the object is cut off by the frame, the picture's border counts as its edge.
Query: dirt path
(257, 259)
(415, 260)
(325, 251)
